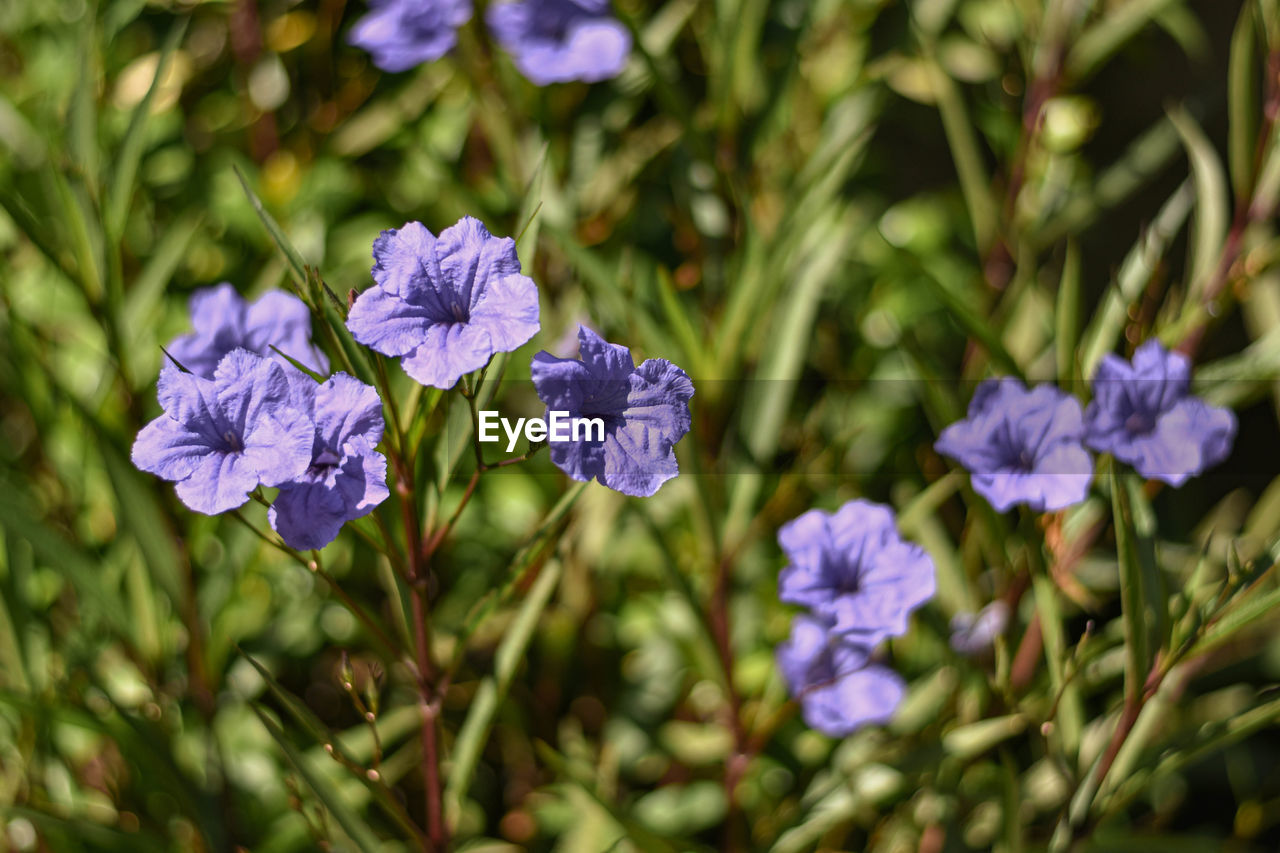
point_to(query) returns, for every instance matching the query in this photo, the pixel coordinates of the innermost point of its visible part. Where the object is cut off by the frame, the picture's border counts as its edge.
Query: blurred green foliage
(836, 216)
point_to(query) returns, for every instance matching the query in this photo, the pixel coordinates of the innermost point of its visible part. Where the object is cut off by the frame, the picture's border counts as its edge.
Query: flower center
(234, 444)
(1140, 423)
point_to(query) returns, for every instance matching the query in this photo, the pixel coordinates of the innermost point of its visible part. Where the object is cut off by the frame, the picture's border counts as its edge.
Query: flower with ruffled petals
(444, 305)
(224, 321)
(555, 41)
(839, 689)
(221, 438)
(1143, 413)
(1022, 446)
(401, 34)
(851, 567)
(645, 411)
(347, 478)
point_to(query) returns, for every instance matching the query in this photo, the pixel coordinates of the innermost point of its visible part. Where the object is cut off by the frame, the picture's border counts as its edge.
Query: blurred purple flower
(645, 411)
(347, 478)
(555, 41)
(1022, 446)
(853, 568)
(973, 634)
(224, 321)
(400, 34)
(445, 304)
(838, 689)
(219, 439)
(1144, 414)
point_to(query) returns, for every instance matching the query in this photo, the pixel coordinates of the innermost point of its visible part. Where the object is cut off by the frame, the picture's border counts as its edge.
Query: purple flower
(400, 34)
(1022, 446)
(224, 321)
(838, 689)
(1144, 414)
(445, 304)
(973, 634)
(347, 478)
(645, 411)
(853, 569)
(555, 41)
(219, 439)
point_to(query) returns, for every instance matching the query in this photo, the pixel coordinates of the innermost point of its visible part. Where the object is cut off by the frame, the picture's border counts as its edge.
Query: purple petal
(508, 311)
(220, 482)
(448, 352)
(168, 449)
(307, 516)
(346, 407)
(388, 324)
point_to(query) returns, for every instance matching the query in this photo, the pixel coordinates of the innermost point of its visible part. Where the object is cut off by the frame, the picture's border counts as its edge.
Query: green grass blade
(123, 176)
(1132, 602)
(291, 256)
(1135, 273)
(474, 733)
(1209, 228)
(1242, 105)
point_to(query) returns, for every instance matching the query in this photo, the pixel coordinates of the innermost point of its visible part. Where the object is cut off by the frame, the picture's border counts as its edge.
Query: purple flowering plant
(276, 325)
(402, 34)
(1022, 446)
(445, 305)
(645, 411)
(1143, 413)
(556, 41)
(787, 596)
(550, 41)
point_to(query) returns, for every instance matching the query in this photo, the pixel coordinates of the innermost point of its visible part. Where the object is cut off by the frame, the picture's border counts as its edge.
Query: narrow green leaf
(321, 733)
(1239, 617)
(1109, 33)
(962, 139)
(1209, 228)
(644, 838)
(125, 172)
(493, 690)
(1132, 603)
(1067, 318)
(82, 119)
(1242, 100)
(974, 322)
(324, 790)
(169, 251)
(94, 599)
(296, 265)
(1135, 272)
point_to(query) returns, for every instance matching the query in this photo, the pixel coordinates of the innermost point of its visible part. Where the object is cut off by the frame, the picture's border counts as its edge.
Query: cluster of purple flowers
(238, 416)
(445, 305)
(551, 41)
(1029, 446)
(860, 581)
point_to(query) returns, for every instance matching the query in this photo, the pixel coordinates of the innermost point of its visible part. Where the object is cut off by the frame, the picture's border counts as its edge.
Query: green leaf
(1109, 33)
(291, 256)
(492, 691)
(329, 796)
(125, 172)
(1132, 601)
(1135, 273)
(96, 602)
(321, 733)
(1209, 228)
(1242, 100)
(1067, 317)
